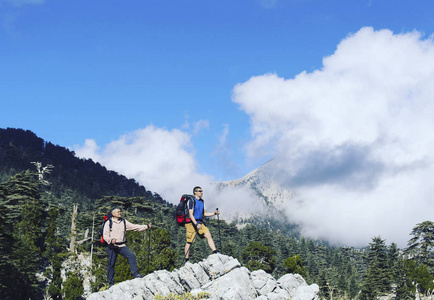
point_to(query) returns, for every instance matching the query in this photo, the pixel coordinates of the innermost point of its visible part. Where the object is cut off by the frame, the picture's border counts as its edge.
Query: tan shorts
(191, 232)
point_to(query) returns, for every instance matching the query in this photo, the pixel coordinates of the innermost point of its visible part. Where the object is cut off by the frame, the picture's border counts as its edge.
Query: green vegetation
(35, 234)
(257, 256)
(73, 287)
(294, 265)
(186, 296)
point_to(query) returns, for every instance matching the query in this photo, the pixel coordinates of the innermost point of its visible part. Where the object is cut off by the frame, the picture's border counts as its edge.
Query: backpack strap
(191, 198)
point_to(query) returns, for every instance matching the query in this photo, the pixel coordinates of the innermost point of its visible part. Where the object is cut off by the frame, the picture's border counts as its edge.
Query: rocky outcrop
(220, 275)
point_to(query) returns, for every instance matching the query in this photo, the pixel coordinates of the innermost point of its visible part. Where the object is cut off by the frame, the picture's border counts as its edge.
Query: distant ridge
(19, 148)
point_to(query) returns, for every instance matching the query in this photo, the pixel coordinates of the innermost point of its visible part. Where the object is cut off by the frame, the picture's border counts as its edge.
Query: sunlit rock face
(219, 275)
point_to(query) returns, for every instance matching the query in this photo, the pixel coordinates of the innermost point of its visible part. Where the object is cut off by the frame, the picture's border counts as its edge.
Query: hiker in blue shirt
(196, 212)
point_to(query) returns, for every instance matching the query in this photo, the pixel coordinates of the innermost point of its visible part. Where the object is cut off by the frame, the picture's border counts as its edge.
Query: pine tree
(422, 243)
(353, 288)
(258, 256)
(377, 280)
(294, 265)
(53, 253)
(24, 221)
(404, 286)
(73, 287)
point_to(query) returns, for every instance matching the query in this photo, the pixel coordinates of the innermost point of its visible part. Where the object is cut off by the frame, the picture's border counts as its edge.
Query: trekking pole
(149, 246)
(218, 225)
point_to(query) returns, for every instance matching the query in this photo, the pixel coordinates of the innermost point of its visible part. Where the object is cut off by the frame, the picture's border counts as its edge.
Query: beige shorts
(191, 232)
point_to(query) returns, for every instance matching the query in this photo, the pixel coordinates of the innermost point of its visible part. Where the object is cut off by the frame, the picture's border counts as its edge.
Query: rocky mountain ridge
(265, 182)
(219, 275)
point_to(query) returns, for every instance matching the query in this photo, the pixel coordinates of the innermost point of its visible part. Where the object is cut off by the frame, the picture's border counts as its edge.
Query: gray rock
(291, 282)
(235, 285)
(188, 278)
(278, 294)
(315, 288)
(263, 282)
(164, 283)
(305, 292)
(217, 265)
(199, 272)
(220, 275)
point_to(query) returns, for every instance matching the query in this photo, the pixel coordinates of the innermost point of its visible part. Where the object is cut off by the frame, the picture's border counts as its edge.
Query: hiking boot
(139, 276)
(110, 285)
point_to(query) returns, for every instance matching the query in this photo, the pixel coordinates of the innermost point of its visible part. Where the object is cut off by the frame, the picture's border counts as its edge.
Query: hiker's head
(116, 212)
(197, 191)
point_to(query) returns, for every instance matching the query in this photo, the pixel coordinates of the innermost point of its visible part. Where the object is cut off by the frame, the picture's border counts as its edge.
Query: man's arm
(135, 227)
(210, 214)
(191, 215)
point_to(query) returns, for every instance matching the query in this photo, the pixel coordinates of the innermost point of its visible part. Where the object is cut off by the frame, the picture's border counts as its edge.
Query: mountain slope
(265, 183)
(19, 148)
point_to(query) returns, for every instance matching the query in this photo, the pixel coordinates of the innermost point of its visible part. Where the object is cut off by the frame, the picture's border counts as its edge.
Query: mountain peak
(266, 183)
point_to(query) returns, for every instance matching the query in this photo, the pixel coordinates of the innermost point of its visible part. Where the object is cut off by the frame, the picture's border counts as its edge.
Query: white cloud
(164, 162)
(199, 125)
(223, 154)
(196, 127)
(354, 138)
(223, 137)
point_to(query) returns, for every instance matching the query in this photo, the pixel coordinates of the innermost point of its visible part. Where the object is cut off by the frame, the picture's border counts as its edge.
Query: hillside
(42, 250)
(19, 148)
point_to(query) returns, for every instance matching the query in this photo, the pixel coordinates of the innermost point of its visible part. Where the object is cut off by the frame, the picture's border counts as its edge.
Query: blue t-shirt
(198, 209)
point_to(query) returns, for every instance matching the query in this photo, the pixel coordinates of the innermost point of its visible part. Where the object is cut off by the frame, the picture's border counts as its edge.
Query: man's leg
(190, 234)
(112, 255)
(187, 250)
(128, 254)
(210, 241)
(204, 232)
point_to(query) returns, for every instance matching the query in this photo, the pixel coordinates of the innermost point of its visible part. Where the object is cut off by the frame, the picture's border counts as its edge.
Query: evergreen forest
(52, 206)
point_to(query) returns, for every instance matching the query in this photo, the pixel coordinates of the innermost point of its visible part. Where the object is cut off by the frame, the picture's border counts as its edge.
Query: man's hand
(149, 225)
(113, 241)
(217, 212)
(199, 225)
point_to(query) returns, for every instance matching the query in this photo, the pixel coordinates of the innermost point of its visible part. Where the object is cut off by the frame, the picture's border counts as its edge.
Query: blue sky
(72, 70)
(213, 89)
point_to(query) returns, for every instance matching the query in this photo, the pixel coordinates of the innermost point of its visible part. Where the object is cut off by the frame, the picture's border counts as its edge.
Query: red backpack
(181, 213)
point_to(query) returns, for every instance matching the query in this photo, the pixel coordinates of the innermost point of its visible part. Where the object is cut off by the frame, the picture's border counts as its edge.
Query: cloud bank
(164, 162)
(354, 139)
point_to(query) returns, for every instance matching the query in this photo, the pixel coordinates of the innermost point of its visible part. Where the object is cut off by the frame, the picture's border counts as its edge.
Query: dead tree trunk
(73, 229)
